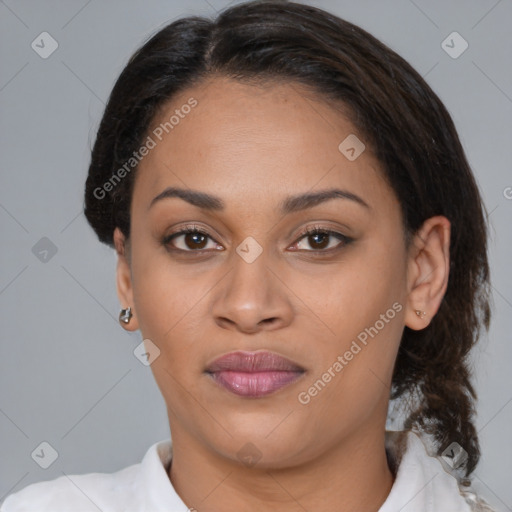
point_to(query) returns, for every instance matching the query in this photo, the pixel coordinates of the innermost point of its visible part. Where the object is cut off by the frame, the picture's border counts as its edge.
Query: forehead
(255, 142)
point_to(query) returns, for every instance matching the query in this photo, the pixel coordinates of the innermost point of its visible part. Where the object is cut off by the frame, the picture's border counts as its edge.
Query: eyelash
(310, 231)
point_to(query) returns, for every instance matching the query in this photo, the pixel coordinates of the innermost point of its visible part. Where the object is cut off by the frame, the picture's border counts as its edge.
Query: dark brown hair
(403, 122)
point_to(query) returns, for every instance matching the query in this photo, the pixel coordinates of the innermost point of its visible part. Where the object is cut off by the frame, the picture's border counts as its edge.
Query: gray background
(68, 375)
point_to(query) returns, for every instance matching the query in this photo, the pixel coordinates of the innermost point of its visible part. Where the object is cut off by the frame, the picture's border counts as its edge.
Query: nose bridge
(250, 279)
(251, 293)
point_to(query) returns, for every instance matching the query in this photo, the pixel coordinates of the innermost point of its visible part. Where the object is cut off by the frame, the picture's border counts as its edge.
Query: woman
(300, 239)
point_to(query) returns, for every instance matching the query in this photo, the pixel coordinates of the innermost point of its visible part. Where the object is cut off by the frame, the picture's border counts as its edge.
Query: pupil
(322, 236)
(195, 236)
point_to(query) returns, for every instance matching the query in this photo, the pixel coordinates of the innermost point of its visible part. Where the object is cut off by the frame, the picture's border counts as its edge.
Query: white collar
(421, 484)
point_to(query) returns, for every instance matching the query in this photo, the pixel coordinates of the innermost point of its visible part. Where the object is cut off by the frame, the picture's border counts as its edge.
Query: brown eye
(189, 240)
(322, 240)
(193, 239)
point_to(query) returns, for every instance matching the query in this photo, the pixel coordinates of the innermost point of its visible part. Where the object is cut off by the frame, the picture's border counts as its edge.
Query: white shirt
(422, 484)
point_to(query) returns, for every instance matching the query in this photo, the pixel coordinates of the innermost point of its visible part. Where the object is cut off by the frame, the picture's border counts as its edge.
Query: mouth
(253, 374)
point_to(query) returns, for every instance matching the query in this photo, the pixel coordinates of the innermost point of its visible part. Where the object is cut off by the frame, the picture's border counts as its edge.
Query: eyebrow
(288, 205)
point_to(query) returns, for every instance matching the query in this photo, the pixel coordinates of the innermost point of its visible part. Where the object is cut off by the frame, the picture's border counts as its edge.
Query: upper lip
(253, 362)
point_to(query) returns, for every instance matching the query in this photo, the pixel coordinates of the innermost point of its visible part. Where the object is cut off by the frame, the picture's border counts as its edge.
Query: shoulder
(87, 492)
(142, 486)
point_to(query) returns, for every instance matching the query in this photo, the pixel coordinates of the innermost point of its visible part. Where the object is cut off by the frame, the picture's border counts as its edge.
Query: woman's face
(334, 305)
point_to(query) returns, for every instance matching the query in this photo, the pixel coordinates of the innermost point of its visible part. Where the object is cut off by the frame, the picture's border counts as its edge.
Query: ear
(124, 279)
(428, 271)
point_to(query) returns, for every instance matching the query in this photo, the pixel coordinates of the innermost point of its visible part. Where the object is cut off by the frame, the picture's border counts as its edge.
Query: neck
(352, 476)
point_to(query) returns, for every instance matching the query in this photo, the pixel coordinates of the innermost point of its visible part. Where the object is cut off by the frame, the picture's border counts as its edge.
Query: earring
(125, 315)
(421, 314)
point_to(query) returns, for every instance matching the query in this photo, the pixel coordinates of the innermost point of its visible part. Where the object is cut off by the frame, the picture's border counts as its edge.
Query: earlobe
(127, 316)
(428, 271)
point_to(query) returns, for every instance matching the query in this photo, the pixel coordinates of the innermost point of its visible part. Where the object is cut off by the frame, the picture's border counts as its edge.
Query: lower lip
(254, 384)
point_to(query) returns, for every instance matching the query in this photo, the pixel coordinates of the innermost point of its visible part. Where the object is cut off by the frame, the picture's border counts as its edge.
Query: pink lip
(253, 374)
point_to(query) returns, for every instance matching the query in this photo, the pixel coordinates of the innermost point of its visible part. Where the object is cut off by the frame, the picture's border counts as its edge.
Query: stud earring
(125, 315)
(421, 314)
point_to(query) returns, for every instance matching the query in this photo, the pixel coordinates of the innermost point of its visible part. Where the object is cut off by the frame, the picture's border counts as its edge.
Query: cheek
(169, 302)
(374, 307)
(363, 304)
(169, 311)
(352, 294)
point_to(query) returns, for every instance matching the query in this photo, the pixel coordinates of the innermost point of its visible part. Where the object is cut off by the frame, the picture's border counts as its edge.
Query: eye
(320, 239)
(192, 239)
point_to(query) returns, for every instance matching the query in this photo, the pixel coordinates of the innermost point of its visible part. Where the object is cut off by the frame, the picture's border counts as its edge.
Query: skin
(253, 146)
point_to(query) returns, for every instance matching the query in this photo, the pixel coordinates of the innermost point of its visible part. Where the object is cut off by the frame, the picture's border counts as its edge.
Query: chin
(256, 449)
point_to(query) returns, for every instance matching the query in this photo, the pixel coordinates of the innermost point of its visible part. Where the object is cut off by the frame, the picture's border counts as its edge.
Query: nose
(252, 298)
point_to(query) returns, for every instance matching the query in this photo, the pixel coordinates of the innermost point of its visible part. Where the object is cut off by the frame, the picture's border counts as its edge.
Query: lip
(253, 374)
